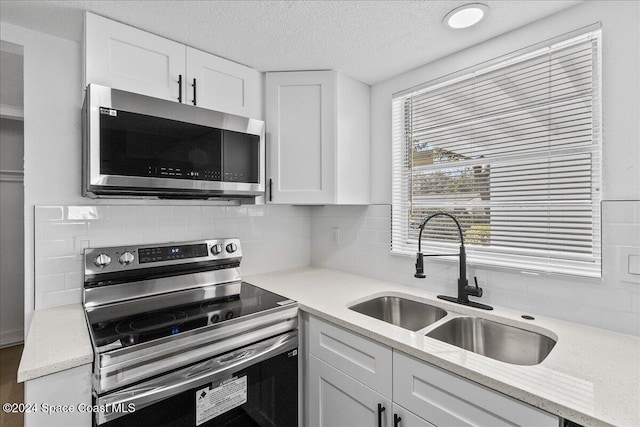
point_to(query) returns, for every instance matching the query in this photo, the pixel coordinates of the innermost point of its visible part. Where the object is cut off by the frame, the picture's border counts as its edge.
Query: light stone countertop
(58, 339)
(591, 377)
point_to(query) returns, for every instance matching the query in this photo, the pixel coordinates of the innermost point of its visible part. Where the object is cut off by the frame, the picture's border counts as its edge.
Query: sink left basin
(400, 311)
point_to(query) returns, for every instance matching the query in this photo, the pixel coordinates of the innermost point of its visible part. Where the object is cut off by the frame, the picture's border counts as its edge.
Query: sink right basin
(406, 313)
(495, 340)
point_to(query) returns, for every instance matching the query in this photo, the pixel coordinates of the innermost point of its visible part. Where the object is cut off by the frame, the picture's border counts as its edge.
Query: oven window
(134, 144)
(270, 388)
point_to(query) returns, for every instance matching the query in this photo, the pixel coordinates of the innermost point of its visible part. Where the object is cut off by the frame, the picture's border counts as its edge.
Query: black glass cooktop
(142, 325)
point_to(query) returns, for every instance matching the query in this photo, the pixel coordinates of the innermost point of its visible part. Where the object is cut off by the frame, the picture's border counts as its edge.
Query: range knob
(216, 249)
(232, 247)
(102, 260)
(126, 258)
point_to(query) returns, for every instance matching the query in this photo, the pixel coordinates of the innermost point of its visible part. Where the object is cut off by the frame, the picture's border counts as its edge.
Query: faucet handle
(473, 291)
(420, 266)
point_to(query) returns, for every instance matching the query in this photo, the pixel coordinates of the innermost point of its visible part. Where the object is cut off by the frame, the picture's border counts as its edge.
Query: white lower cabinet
(349, 375)
(60, 399)
(337, 400)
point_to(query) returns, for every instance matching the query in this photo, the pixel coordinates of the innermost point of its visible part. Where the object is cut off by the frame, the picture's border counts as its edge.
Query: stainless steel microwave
(139, 146)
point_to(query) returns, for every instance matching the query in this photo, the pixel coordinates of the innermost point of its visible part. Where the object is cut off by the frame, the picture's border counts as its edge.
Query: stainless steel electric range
(180, 340)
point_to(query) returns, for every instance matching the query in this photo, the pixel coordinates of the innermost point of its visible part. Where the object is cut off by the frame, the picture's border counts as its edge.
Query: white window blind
(513, 151)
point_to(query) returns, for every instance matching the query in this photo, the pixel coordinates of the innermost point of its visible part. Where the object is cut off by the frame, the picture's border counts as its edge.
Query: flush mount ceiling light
(465, 16)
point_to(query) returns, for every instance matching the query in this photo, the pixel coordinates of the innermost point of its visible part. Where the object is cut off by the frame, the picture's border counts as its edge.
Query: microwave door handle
(174, 383)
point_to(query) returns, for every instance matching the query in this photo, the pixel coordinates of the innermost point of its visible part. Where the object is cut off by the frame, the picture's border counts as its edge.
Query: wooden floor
(10, 391)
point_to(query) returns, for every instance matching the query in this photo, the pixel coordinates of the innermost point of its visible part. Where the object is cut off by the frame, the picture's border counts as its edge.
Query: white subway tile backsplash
(124, 239)
(226, 227)
(64, 230)
(187, 212)
(156, 212)
(54, 299)
(256, 210)
(57, 265)
(174, 225)
(51, 283)
(75, 213)
(54, 248)
(235, 211)
(107, 228)
(124, 212)
(625, 322)
(50, 213)
(73, 280)
(273, 237)
(213, 212)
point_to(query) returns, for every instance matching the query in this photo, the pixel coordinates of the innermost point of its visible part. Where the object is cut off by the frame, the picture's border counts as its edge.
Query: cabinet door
(404, 418)
(126, 58)
(69, 388)
(337, 400)
(445, 399)
(223, 85)
(301, 115)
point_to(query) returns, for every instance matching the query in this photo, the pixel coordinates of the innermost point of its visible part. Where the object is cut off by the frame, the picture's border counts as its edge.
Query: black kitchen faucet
(464, 290)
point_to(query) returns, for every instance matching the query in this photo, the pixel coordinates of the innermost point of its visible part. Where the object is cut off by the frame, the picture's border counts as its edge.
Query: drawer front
(445, 399)
(363, 359)
(404, 418)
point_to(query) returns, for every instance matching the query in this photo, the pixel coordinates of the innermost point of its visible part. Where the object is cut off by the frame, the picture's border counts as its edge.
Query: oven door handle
(218, 368)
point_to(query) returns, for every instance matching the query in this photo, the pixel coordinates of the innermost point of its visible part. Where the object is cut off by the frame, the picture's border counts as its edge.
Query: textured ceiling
(368, 40)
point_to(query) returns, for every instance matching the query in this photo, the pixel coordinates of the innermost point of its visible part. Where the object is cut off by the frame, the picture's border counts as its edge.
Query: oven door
(256, 385)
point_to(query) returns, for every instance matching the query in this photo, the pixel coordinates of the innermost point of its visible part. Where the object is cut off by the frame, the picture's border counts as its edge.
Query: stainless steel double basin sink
(488, 338)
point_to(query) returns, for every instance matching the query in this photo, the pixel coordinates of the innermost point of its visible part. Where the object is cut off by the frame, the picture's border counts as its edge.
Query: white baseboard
(13, 337)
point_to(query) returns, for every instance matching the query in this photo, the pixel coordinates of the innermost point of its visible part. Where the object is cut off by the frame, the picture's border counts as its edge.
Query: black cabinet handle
(194, 91)
(396, 420)
(381, 409)
(270, 190)
(179, 87)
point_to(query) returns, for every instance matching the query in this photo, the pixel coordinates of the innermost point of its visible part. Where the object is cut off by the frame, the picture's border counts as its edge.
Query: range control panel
(124, 258)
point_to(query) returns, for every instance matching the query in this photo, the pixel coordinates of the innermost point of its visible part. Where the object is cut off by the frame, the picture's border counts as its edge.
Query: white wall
(52, 134)
(614, 302)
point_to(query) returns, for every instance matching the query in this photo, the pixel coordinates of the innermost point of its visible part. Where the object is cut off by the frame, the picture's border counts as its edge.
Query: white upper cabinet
(218, 84)
(318, 138)
(126, 58)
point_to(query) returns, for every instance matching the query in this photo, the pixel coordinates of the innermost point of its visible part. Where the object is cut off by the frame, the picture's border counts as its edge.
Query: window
(511, 149)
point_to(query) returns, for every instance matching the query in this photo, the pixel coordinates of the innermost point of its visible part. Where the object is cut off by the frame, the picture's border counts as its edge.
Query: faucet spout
(464, 290)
